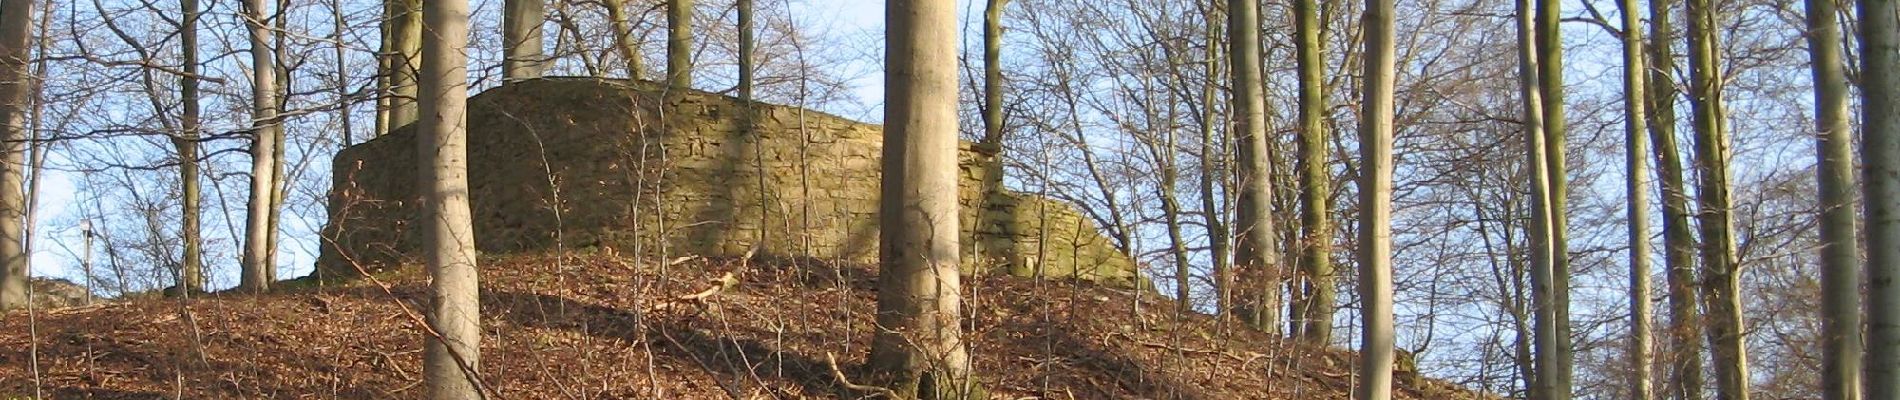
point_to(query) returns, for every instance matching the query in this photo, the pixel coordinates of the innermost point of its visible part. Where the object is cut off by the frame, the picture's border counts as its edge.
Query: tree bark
(1376, 352)
(255, 274)
(191, 269)
(1219, 248)
(990, 146)
(404, 19)
(1635, 127)
(1550, 67)
(1255, 251)
(1685, 327)
(918, 351)
(522, 36)
(1315, 309)
(1721, 285)
(623, 38)
(746, 49)
(16, 88)
(679, 44)
(1840, 252)
(1542, 264)
(451, 359)
(1880, 150)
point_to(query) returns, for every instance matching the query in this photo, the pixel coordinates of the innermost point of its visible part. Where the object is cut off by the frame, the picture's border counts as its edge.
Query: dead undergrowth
(602, 327)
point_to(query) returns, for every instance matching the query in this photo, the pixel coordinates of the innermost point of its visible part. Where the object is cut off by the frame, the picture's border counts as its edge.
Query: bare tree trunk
(623, 38)
(451, 360)
(1880, 141)
(918, 350)
(1721, 285)
(280, 187)
(16, 88)
(255, 274)
(1685, 327)
(346, 103)
(746, 49)
(991, 144)
(1840, 252)
(1315, 310)
(522, 36)
(1376, 352)
(1255, 255)
(679, 44)
(1635, 127)
(1550, 67)
(1211, 171)
(405, 30)
(191, 270)
(1542, 266)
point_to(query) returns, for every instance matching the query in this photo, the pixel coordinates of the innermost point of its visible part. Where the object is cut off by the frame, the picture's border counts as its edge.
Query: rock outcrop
(574, 163)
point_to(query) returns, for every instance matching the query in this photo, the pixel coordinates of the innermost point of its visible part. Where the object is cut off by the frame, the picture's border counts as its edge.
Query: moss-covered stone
(578, 163)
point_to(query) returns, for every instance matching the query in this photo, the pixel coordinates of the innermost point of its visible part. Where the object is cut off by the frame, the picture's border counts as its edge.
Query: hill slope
(599, 327)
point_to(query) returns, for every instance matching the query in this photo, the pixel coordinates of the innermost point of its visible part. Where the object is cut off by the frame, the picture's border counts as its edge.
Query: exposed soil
(598, 326)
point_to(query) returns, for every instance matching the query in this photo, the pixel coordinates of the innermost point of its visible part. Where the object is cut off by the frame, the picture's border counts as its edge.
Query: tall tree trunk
(191, 270)
(919, 353)
(1254, 217)
(1880, 141)
(1685, 326)
(1550, 75)
(346, 103)
(255, 274)
(404, 19)
(990, 147)
(746, 49)
(1376, 352)
(1721, 285)
(385, 67)
(522, 36)
(451, 361)
(679, 44)
(1635, 136)
(280, 187)
(623, 37)
(1315, 310)
(1542, 264)
(1211, 170)
(16, 89)
(1840, 252)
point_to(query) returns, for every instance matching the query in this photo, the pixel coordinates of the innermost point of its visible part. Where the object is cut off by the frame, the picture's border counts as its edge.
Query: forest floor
(597, 327)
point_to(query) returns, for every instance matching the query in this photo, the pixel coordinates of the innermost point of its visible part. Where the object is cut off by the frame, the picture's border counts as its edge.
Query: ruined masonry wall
(614, 160)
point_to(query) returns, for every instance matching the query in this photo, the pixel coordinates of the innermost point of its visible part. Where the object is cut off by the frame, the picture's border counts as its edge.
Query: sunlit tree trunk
(1376, 352)
(990, 146)
(1685, 326)
(1635, 127)
(918, 350)
(679, 44)
(190, 271)
(522, 36)
(404, 21)
(746, 49)
(1721, 277)
(16, 89)
(1314, 311)
(1219, 249)
(1254, 253)
(1550, 75)
(1840, 252)
(623, 37)
(451, 360)
(255, 273)
(1880, 150)
(1542, 265)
